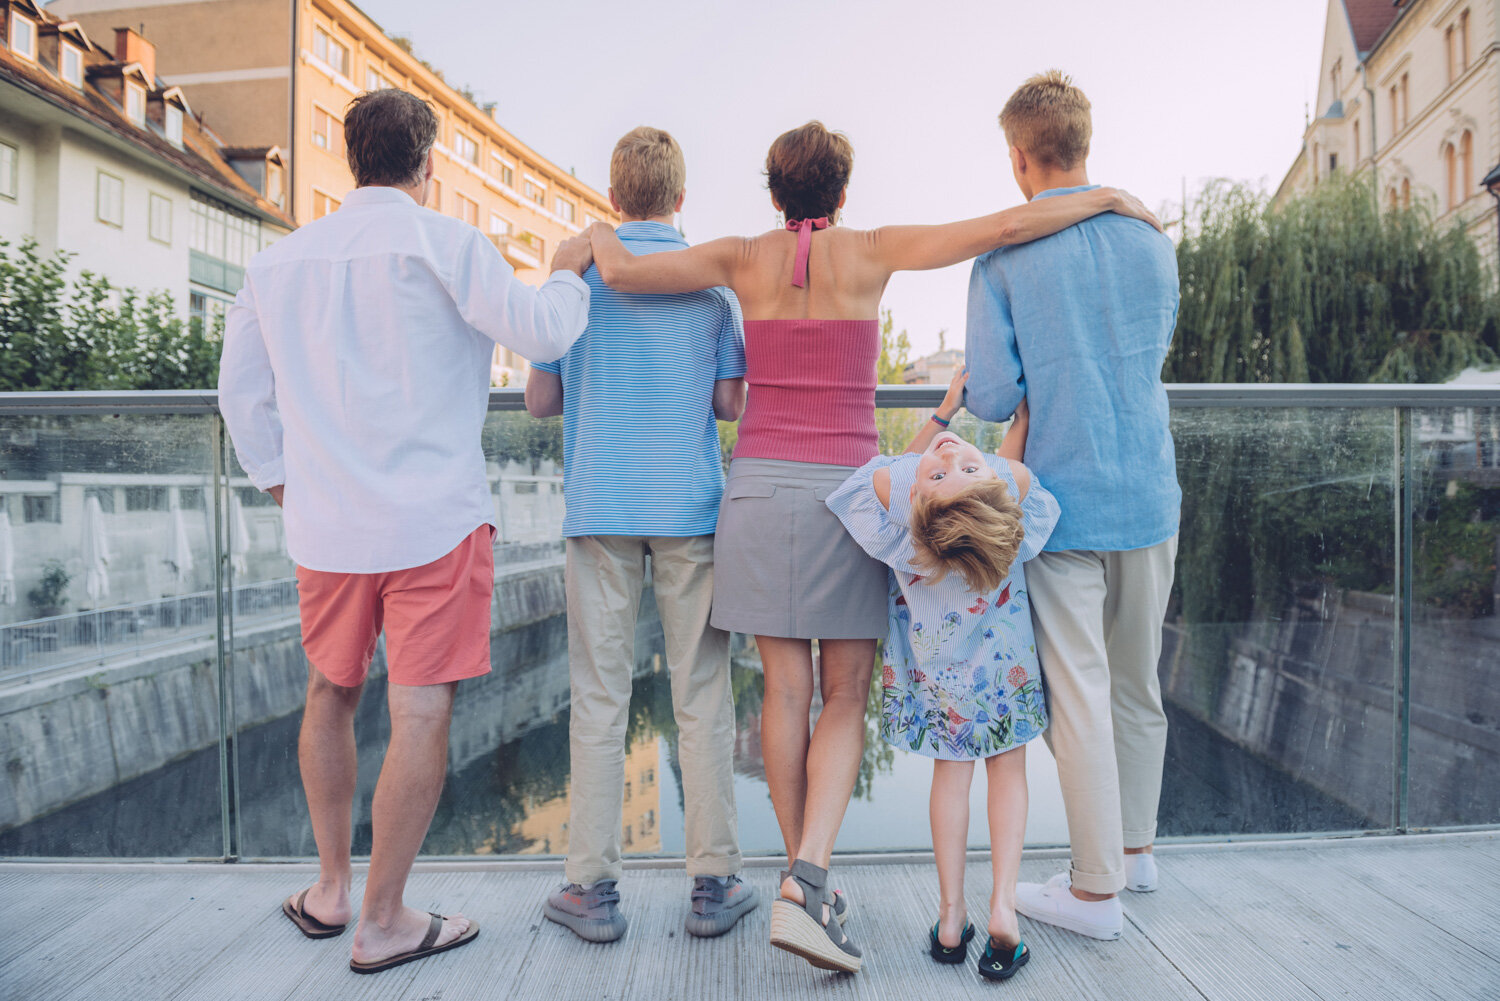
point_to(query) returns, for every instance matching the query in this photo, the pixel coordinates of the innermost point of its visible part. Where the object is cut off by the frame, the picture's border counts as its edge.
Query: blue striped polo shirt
(640, 444)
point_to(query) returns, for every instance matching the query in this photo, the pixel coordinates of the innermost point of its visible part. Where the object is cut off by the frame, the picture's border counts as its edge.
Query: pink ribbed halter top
(812, 382)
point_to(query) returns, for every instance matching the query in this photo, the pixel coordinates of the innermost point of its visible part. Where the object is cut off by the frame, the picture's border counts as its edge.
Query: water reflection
(507, 786)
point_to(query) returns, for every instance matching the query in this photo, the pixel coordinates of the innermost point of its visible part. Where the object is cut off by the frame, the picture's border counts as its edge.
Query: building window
(109, 204)
(160, 218)
(1463, 41)
(1450, 160)
(145, 498)
(1405, 102)
(1356, 141)
(135, 103)
(1395, 198)
(499, 225)
(324, 204)
(1337, 80)
(466, 208)
(566, 210)
(502, 171)
(206, 310)
(466, 148)
(22, 36)
(535, 193)
(374, 80)
(173, 118)
(38, 507)
(327, 132)
(335, 55)
(1333, 163)
(1466, 165)
(9, 162)
(435, 196)
(72, 64)
(1406, 192)
(1448, 43)
(273, 184)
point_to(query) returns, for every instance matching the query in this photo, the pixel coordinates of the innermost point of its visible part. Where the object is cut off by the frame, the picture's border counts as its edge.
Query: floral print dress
(960, 673)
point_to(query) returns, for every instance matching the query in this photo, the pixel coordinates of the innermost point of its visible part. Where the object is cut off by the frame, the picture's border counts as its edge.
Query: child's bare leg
(1006, 774)
(949, 812)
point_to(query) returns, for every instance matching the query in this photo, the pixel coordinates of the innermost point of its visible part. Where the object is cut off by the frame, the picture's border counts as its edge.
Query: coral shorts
(436, 617)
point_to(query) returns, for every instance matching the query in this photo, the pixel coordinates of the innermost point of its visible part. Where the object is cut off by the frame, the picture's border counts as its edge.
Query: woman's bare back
(844, 280)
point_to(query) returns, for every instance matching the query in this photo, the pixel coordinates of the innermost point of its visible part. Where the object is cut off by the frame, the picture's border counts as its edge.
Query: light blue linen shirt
(640, 443)
(1078, 323)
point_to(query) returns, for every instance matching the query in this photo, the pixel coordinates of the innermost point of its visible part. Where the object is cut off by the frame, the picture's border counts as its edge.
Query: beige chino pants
(605, 575)
(1098, 619)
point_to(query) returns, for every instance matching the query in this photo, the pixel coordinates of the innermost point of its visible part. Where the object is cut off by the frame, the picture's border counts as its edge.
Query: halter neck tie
(804, 229)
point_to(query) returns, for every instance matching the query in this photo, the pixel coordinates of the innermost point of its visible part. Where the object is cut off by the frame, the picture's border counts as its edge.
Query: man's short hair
(387, 136)
(647, 173)
(976, 533)
(1050, 120)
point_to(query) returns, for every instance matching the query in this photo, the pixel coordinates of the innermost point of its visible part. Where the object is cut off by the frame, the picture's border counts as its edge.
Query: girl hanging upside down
(960, 675)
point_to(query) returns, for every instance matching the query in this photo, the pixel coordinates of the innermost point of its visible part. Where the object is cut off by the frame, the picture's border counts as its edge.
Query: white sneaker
(1140, 872)
(1053, 902)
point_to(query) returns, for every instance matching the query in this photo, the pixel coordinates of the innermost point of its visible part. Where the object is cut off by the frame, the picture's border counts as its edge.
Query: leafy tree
(88, 334)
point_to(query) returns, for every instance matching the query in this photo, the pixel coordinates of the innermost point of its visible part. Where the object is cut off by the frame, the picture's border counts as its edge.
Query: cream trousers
(1098, 619)
(605, 575)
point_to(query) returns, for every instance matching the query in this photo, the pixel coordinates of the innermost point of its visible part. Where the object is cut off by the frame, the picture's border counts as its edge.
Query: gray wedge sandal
(799, 928)
(842, 907)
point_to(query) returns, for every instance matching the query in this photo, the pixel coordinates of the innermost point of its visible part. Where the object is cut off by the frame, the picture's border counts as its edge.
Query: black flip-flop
(305, 922)
(422, 951)
(940, 952)
(1000, 962)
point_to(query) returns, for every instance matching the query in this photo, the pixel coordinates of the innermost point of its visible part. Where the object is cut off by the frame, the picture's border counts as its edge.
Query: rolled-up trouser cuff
(1090, 882)
(715, 865)
(1140, 839)
(585, 876)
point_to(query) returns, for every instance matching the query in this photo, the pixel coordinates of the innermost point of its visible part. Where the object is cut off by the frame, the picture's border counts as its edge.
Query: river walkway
(1369, 918)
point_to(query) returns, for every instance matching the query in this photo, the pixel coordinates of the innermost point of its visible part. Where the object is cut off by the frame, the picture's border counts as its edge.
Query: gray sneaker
(718, 902)
(592, 912)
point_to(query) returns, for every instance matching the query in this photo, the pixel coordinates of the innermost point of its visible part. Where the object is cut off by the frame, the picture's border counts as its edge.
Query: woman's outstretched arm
(920, 248)
(705, 266)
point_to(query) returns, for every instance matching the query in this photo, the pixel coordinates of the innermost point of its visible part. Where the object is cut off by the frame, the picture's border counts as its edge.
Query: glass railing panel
(1454, 750)
(1278, 659)
(108, 626)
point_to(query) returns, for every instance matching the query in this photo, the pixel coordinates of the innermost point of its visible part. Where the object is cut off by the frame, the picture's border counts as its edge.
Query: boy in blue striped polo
(638, 393)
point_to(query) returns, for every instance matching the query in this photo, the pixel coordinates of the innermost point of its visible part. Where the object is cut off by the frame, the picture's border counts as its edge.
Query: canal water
(507, 786)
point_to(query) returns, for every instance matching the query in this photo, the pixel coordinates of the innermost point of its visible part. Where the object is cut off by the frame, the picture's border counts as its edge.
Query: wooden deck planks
(1369, 918)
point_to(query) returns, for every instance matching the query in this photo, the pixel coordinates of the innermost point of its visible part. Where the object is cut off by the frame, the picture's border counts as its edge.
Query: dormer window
(173, 123)
(70, 65)
(135, 103)
(22, 36)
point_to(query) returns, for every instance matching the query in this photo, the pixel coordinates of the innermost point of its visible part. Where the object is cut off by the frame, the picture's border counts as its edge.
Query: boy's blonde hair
(647, 173)
(1050, 120)
(976, 532)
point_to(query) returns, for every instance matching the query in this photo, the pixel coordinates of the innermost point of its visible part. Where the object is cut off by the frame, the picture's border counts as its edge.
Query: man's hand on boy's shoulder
(574, 254)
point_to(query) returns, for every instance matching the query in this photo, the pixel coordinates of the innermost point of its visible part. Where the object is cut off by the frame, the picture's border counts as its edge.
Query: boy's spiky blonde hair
(1049, 119)
(975, 533)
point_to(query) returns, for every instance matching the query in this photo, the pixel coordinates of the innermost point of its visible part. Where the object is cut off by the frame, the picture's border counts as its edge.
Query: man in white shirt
(354, 383)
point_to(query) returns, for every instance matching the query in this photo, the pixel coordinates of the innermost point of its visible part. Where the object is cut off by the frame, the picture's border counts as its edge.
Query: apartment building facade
(101, 159)
(1408, 90)
(276, 74)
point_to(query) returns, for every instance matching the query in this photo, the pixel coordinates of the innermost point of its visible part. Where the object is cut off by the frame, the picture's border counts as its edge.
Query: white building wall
(18, 217)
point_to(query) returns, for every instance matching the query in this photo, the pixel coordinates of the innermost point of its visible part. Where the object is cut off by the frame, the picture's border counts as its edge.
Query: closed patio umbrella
(179, 554)
(7, 559)
(239, 536)
(95, 549)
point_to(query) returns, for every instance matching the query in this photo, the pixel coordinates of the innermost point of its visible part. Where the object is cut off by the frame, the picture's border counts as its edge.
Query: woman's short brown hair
(1049, 119)
(976, 532)
(647, 173)
(387, 136)
(807, 170)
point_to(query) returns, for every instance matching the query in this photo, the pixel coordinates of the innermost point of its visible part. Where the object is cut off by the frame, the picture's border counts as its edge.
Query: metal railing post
(226, 772)
(1405, 521)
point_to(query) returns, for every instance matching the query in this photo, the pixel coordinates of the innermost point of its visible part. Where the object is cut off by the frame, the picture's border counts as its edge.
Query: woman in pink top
(786, 571)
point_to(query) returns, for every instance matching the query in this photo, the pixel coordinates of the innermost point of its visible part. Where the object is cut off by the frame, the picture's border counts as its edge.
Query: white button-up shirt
(356, 372)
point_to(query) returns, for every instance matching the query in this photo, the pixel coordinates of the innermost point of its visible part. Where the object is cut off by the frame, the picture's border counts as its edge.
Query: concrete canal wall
(66, 739)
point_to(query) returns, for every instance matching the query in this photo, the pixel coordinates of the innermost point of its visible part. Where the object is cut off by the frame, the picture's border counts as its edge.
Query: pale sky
(1182, 90)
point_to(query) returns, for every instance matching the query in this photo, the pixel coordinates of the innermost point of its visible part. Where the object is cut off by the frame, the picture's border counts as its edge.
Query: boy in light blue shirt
(1077, 325)
(639, 393)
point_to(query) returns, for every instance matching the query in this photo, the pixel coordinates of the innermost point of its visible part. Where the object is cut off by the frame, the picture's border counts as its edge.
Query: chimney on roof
(131, 47)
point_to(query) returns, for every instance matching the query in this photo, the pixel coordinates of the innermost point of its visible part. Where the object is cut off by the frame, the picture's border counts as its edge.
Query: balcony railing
(1329, 656)
(522, 250)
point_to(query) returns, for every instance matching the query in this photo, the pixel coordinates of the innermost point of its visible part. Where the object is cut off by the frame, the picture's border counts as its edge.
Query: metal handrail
(1183, 395)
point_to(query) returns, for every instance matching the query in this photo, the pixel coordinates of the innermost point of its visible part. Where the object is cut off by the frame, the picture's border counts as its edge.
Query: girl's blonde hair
(976, 533)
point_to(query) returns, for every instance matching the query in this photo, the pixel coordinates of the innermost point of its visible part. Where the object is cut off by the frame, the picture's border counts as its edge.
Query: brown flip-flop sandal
(422, 951)
(309, 925)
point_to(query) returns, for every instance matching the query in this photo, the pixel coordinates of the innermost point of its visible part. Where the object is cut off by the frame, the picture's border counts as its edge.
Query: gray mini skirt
(783, 564)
